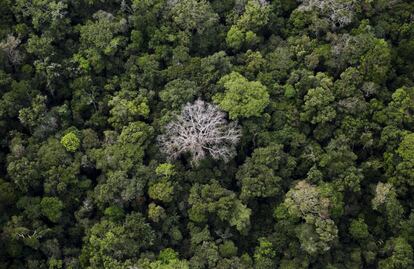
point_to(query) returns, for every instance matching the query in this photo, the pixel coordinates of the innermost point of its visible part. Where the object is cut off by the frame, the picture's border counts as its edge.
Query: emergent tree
(200, 129)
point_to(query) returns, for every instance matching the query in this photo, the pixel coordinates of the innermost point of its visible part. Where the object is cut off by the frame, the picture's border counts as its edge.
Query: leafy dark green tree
(164, 134)
(214, 199)
(51, 207)
(109, 242)
(263, 174)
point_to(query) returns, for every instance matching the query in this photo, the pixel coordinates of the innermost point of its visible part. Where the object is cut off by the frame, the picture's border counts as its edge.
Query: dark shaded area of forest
(192, 134)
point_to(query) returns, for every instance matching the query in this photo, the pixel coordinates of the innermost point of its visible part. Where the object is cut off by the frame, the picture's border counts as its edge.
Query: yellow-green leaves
(318, 106)
(243, 32)
(406, 148)
(165, 169)
(127, 106)
(162, 191)
(70, 141)
(242, 98)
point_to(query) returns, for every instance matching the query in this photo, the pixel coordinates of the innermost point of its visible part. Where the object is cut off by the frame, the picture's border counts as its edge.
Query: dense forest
(191, 134)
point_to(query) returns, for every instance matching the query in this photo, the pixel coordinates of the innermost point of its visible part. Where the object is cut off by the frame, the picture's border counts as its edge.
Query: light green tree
(242, 98)
(70, 141)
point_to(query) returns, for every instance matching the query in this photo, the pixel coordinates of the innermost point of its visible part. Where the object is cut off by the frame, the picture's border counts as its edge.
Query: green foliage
(264, 254)
(212, 198)
(7, 192)
(114, 213)
(110, 241)
(178, 92)
(401, 254)
(263, 173)
(165, 169)
(385, 200)
(228, 249)
(193, 15)
(318, 232)
(167, 258)
(126, 107)
(32, 116)
(375, 62)
(51, 207)
(119, 188)
(313, 117)
(242, 98)
(235, 38)
(406, 148)
(318, 105)
(359, 229)
(243, 32)
(156, 213)
(70, 141)
(40, 45)
(162, 191)
(97, 46)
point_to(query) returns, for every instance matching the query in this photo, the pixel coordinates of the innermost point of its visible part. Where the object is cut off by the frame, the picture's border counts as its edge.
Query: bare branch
(200, 129)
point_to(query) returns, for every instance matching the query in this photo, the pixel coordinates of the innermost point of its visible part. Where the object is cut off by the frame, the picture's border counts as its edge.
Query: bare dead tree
(200, 129)
(9, 46)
